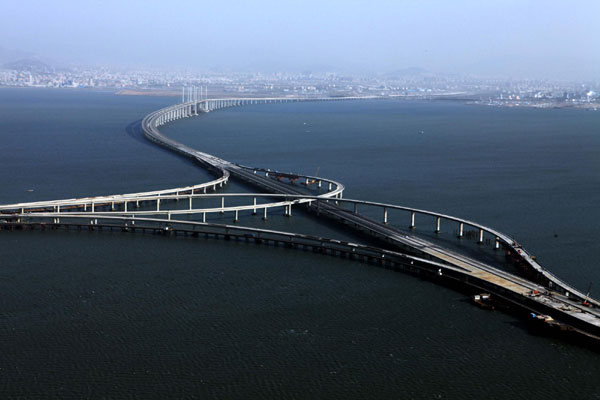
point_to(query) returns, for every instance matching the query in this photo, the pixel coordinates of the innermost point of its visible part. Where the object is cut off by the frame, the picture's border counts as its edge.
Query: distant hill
(28, 64)
(8, 55)
(408, 73)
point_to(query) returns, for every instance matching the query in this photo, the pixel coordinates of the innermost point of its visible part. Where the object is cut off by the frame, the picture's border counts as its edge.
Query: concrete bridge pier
(480, 240)
(412, 220)
(496, 243)
(254, 209)
(437, 225)
(461, 230)
(265, 214)
(385, 215)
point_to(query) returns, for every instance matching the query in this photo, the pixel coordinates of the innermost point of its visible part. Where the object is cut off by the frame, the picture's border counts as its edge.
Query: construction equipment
(311, 181)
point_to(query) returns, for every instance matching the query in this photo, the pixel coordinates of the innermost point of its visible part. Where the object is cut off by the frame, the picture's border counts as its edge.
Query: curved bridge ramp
(544, 294)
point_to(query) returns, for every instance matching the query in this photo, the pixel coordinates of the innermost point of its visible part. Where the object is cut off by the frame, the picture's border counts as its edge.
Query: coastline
(469, 99)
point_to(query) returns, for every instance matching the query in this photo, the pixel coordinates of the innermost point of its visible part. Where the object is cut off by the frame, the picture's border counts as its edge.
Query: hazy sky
(546, 38)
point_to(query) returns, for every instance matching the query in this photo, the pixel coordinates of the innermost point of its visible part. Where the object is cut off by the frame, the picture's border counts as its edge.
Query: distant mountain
(28, 64)
(408, 73)
(9, 55)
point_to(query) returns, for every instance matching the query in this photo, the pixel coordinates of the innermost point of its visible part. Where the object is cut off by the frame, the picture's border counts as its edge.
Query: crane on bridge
(311, 181)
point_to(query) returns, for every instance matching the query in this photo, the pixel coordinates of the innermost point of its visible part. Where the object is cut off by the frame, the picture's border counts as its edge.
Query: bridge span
(540, 291)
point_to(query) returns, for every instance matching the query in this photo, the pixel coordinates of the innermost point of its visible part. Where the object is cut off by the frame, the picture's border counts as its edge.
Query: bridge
(184, 211)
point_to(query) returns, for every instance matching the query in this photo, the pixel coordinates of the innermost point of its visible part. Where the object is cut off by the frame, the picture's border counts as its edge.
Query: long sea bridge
(184, 210)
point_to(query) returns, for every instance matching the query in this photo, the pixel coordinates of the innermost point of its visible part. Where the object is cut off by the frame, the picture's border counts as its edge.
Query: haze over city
(508, 39)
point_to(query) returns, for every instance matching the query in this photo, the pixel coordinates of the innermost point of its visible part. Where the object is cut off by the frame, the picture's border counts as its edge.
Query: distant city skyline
(509, 39)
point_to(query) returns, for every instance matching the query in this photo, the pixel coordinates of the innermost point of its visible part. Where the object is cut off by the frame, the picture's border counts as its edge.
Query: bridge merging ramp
(554, 294)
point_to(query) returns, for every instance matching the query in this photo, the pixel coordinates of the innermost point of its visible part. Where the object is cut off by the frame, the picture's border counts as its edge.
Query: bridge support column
(385, 215)
(329, 188)
(412, 220)
(254, 209)
(437, 224)
(236, 216)
(355, 208)
(203, 217)
(222, 205)
(319, 184)
(265, 214)
(480, 241)
(125, 208)
(204, 190)
(190, 200)
(84, 207)
(158, 204)
(497, 243)
(112, 206)
(461, 228)
(288, 211)
(93, 206)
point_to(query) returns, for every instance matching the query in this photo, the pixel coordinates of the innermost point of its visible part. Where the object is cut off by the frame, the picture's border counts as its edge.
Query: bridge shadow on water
(134, 131)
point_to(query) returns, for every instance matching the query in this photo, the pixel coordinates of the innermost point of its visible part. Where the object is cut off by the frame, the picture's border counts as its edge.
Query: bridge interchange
(540, 292)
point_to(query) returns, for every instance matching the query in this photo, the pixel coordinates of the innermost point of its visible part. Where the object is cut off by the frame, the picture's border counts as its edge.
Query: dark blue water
(117, 315)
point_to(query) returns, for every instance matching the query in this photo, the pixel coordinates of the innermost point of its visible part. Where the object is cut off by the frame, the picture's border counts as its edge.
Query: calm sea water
(104, 315)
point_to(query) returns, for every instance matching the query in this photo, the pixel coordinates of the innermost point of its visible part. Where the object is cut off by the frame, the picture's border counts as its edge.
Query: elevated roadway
(545, 292)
